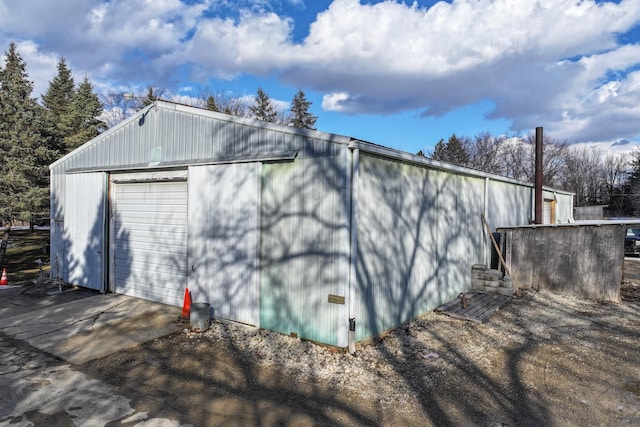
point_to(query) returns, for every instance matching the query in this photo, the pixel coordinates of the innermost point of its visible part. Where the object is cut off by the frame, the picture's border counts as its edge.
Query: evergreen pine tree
(453, 151)
(150, 98)
(25, 150)
(301, 117)
(56, 102)
(211, 104)
(60, 91)
(81, 120)
(263, 108)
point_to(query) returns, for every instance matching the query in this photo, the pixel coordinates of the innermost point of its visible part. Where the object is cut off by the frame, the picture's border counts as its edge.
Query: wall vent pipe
(538, 178)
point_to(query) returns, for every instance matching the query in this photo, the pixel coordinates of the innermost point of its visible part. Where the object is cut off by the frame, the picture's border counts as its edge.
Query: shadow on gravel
(510, 371)
(202, 383)
(572, 366)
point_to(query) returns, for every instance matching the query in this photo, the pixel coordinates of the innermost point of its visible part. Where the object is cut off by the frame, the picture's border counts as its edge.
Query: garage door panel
(143, 241)
(159, 282)
(167, 270)
(133, 254)
(142, 289)
(147, 239)
(142, 219)
(140, 213)
(160, 211)
(150, 240)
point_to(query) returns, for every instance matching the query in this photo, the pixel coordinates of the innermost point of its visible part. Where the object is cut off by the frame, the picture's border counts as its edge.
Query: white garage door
(546, 216)
(149, 255)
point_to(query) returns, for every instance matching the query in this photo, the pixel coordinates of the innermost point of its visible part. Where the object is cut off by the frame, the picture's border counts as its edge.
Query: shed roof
(352, 143)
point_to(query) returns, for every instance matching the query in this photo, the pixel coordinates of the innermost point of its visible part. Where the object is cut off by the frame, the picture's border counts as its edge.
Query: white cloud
(512, 52)
(616, 148)
(119, 39)
(224, 48)
(555, 63)
(333, 101)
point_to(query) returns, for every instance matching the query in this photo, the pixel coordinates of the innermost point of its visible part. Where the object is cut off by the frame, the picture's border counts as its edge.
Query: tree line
(119, 106)
(596, 177)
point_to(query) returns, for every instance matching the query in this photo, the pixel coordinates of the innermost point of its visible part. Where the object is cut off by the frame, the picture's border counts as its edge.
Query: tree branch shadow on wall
(302, 243)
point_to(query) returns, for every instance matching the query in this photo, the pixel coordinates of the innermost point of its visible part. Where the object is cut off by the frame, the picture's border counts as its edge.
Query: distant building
(584, 213)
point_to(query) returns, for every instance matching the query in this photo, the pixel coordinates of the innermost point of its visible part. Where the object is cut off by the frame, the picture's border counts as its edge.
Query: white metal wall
(149, 240)
(397, 243)
(223, 239)
(508, 204)
(418, 233)
(84, 227)
(304, 216)
(563, 205)
(461, 235)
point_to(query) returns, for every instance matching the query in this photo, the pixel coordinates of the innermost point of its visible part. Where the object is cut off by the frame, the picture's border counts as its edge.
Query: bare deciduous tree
(519, 156)
(584, 175)
(485, 153)
(616, 174)
(223, 102)
(118, 107)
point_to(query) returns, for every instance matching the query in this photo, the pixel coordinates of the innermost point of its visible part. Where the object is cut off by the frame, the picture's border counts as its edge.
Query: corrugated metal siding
(397, 243)
(305, 211)
(56, 234)
(83, 236)
(546, 213)
(511, 205)
(223, 239)
(305, 248)
(150, 240)
(508, 204)
(182, 136)
(171, 133)
(419, 232)
(460, 202)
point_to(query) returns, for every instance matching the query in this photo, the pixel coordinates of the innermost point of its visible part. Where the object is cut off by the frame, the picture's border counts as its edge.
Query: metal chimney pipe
(538, 178)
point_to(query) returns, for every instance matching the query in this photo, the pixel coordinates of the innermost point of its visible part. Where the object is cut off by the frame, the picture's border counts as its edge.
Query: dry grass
(23, 249)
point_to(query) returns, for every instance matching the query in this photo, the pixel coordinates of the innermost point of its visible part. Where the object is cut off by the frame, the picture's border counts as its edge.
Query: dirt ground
(543, 359)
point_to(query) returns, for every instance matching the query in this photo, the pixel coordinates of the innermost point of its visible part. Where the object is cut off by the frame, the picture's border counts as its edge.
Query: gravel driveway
(543, 359)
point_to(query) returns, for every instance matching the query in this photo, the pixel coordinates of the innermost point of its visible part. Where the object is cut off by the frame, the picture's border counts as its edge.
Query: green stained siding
(304, 248)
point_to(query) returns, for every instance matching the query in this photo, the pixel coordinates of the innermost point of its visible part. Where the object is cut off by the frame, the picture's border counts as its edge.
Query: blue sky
(397, 73)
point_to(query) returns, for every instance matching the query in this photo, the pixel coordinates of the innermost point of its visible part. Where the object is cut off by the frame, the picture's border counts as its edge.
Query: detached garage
(286, 229)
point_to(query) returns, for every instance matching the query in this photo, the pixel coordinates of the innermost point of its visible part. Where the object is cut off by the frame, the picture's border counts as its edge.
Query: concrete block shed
(286, 229)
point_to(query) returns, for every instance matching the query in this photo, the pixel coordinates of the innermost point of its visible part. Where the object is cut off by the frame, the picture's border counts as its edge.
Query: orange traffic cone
(186, 306)
(4, 281)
